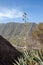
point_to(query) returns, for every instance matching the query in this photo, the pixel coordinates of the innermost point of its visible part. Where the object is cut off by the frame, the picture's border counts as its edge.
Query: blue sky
(12, 10)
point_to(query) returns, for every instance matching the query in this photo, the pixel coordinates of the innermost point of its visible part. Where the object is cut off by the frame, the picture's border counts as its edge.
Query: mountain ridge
(7, 29)
(13, 32)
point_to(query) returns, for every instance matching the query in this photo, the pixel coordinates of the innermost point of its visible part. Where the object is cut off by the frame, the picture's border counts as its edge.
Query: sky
(12, 10)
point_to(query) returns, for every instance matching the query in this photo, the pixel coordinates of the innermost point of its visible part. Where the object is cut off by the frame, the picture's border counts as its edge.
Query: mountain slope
(14, 32)
(9, 29)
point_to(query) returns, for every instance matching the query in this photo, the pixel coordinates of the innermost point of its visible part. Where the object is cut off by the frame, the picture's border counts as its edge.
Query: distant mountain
(13, 31)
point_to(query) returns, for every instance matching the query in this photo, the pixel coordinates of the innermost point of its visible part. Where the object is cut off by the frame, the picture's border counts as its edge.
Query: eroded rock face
(8, 53)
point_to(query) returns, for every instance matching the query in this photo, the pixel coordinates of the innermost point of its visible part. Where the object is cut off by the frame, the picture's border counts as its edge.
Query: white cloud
(10, 13)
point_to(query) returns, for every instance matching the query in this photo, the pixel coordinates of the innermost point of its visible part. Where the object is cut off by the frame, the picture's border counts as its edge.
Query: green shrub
(31, 57)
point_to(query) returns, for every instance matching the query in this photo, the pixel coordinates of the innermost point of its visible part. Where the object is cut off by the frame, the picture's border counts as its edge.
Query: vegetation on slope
(32, 57)
(38, 33)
